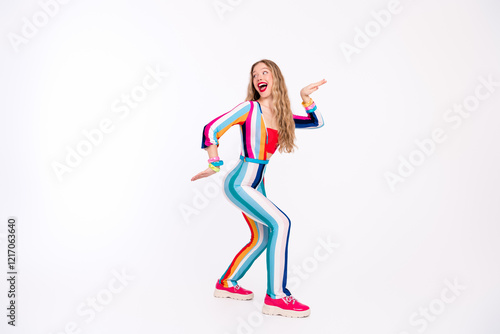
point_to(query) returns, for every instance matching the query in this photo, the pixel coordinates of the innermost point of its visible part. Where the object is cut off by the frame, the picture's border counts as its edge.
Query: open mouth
(262, 86)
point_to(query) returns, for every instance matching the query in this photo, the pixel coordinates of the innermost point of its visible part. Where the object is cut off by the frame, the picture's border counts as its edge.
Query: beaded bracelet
(217, 163)
(212, 167)
(307, 104)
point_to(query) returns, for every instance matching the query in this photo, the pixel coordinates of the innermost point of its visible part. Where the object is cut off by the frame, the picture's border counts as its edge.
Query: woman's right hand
(205, 173)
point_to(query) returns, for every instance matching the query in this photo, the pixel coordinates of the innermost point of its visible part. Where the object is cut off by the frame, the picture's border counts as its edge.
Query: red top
(272, 140)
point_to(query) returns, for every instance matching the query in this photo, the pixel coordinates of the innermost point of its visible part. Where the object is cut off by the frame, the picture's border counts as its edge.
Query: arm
(218, 126)
(212, 151)
(313, 120)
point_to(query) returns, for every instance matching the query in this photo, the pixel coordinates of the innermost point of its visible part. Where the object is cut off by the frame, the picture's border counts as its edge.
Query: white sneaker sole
(274, 310)
(226, 294)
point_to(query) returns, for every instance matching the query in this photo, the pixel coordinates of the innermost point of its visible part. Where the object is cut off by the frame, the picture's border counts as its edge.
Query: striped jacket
(249, 116)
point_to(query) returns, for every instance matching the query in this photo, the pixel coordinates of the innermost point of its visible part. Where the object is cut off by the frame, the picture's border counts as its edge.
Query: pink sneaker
(235, 292)
(287, 306)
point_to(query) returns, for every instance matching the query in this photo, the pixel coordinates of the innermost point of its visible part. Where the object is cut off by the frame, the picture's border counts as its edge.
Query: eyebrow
(264, 68)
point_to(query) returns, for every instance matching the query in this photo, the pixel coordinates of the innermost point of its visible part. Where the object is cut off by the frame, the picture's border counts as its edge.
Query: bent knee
(281, 223)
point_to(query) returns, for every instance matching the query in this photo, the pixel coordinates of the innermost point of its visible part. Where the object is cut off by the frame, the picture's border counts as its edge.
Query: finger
(197, 176)
(319, 83)
(204, 174)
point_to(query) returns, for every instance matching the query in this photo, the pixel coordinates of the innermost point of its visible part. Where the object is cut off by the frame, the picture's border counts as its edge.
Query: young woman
(266, 122)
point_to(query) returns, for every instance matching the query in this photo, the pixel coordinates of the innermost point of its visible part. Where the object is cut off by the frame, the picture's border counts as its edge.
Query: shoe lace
(237, 286)
(290, 299)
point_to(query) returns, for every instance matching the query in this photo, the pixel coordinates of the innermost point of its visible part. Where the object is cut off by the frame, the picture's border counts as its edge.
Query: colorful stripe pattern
(244, 187)
(248, 115)
(313, 120)
(269, 226)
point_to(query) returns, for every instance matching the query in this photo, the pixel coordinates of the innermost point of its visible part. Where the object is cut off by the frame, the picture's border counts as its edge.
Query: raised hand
(309, 89)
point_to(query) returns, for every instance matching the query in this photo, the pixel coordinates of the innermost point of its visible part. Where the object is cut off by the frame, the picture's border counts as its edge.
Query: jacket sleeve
(218, 126)
(313, 120)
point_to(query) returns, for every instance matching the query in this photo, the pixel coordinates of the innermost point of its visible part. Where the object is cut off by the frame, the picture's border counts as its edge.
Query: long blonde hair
(281, 106)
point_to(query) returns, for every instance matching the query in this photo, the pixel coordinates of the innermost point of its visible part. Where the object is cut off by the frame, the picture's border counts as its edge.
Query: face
(262, 79)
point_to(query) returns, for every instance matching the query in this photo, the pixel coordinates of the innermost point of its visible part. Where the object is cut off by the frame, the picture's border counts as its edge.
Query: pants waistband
(265, 162)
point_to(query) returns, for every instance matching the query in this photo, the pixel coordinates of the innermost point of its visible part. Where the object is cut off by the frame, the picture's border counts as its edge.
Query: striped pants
(269, 226)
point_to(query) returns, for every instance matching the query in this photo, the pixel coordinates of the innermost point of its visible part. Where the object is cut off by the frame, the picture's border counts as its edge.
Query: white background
(123, 208)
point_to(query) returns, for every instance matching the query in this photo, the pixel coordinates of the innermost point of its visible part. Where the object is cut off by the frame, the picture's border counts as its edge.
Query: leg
(272, 246)
(240, 188)
(247, 255)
